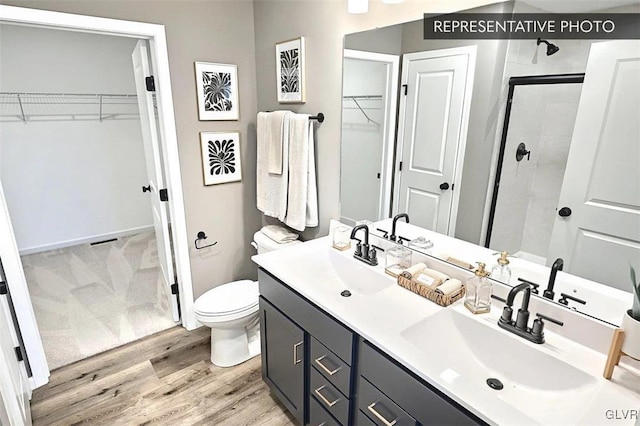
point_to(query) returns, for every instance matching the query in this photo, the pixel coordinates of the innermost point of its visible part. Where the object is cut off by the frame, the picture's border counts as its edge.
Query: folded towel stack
(279, 234)
(432, 284)
(449, 287)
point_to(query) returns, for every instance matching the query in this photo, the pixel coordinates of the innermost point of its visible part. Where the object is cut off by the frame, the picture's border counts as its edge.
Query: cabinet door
(283, 358)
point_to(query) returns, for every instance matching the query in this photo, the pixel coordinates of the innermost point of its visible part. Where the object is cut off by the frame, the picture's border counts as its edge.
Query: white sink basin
(340, 271)
(467, 351)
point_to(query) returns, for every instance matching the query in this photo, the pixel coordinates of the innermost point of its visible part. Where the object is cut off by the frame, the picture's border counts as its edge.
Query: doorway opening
(72, 167)
(154, 35)
(534, 147)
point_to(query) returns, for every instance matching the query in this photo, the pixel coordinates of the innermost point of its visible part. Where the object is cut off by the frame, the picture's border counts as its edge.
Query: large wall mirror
(568, 143)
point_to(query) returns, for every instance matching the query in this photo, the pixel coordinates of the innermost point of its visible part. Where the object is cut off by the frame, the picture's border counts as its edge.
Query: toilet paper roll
(449, 287)
(415, 268)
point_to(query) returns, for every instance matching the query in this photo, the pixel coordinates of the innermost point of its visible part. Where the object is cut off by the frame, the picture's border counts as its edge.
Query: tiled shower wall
(542, 117)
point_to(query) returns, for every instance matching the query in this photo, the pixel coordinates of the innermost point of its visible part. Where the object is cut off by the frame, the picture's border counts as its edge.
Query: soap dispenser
(501, 271)
(478, 297)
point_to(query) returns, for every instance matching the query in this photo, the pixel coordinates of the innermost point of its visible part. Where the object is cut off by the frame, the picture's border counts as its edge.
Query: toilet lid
(228, 298)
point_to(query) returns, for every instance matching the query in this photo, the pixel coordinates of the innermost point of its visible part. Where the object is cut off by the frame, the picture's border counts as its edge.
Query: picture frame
(221, 161)
(217, 91)
(290, 71)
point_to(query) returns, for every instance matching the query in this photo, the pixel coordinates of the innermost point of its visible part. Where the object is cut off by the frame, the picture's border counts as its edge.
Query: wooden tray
(405, 280)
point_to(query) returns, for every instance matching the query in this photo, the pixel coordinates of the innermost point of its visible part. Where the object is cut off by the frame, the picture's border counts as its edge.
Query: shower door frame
(513, 83)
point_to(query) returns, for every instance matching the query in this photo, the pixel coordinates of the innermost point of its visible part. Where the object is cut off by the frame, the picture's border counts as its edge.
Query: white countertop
(381, 317)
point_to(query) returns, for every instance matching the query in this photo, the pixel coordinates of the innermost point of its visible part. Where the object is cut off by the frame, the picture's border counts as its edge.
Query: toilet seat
(234, 298)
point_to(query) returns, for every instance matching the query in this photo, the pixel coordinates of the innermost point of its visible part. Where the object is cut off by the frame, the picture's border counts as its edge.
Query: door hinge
(150, 83)
(164, 195)
(400, 167)
(174, 288)
(3, 288)
(405, 87)
(18, 353)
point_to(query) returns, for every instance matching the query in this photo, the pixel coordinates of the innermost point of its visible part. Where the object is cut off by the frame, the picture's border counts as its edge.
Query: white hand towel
(271, 190)
(275, 142)
(312, 192)
(279, 234)
(298, 172)
(449, 287)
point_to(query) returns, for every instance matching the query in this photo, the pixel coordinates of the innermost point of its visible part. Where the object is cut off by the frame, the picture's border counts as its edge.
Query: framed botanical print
(217, 91)
(290, 71)
(220, 157)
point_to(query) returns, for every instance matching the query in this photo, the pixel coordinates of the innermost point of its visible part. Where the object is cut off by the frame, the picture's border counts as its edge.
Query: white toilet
(231, 311)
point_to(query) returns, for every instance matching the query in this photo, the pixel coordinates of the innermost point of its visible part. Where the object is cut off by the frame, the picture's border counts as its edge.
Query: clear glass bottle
(479, 288)
(501, 271)
(398, 259)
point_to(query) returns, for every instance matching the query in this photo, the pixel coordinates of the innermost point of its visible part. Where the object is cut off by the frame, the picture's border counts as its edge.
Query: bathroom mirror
(536, 150)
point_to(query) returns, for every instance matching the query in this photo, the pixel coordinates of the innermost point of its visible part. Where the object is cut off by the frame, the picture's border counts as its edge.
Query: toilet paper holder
(202, 236)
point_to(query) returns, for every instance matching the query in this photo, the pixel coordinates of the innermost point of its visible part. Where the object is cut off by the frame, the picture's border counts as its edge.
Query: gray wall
(209, 31)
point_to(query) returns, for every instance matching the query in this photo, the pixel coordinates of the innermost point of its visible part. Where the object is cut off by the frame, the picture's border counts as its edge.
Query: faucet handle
(553, 320)
(385, 234)
(373, 255)
(534, 286)
(564, 297)
(537, 330)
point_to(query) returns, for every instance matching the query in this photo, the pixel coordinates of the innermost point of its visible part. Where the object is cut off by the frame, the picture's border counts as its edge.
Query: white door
(601, 186)
(432, 135)
(15, 390)
(151, 142)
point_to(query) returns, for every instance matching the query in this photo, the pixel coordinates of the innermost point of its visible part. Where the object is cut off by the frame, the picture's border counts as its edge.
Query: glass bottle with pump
(479, 288)
(501, 271)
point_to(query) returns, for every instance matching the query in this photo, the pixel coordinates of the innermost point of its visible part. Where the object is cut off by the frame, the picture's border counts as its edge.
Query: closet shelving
(359, 100)
(30, 107)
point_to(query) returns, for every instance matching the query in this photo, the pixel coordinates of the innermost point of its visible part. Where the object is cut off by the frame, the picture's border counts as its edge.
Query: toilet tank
(265, 244)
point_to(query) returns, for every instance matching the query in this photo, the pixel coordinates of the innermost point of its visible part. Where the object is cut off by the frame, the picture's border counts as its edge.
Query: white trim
(388, 146)
(158, 45)
(85, 240)
(471, 51)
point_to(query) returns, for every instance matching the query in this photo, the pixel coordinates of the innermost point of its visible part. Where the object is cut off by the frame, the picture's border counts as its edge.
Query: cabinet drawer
(318, 416)
(330, 366)
(329, 397)
(330, 332)
(381, 409)
(363, 420)
(421, 400)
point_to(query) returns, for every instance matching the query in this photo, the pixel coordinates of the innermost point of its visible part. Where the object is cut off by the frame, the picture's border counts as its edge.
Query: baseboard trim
(84, 240)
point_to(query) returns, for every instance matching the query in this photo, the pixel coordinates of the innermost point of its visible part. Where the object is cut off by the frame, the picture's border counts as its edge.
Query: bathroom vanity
(343, 344)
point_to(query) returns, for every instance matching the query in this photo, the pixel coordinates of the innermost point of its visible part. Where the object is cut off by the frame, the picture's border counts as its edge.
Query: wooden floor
(164, 379)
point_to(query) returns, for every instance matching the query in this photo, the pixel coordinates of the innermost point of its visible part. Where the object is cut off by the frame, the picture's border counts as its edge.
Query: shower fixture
(551, 48)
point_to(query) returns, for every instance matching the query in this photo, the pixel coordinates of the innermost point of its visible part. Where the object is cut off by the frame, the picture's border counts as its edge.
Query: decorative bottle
(478, 296)
(501, 271)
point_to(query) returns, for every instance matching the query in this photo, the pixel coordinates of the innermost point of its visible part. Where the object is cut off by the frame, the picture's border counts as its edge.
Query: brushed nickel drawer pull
(329, 372)
(295, 353)
(325, 400)
(380, 417)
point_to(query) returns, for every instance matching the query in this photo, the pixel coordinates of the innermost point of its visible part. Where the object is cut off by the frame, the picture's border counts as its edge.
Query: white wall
(362, 141)
(70, 180)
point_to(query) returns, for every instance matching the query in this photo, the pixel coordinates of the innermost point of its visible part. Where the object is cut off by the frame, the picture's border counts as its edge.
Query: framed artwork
(217, 90)
(220, 157)
(290, 71)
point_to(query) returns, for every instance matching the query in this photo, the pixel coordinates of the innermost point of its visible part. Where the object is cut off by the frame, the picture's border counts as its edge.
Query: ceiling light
(358, 6)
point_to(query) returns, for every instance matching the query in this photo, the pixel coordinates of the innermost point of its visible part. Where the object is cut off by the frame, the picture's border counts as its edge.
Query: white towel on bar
(275, 141)
(302, 205)
(271, 189)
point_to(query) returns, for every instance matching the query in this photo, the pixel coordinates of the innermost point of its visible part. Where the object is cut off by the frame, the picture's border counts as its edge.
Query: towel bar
(319, 117)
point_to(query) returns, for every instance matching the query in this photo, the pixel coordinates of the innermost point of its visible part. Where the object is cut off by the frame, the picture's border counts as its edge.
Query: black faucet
(393, 236)
(362, 251)
(521, 325)
(557, 266)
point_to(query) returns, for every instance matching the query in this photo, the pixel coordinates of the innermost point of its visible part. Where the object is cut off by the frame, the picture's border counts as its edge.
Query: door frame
(494, 185)
(156, 36)
(389, 131)
(470, 51)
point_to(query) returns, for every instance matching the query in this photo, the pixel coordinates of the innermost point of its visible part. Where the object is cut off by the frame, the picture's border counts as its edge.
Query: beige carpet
(88, 299)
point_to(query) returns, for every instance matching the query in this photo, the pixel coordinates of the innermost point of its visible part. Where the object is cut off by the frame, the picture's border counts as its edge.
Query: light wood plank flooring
(164, 379)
